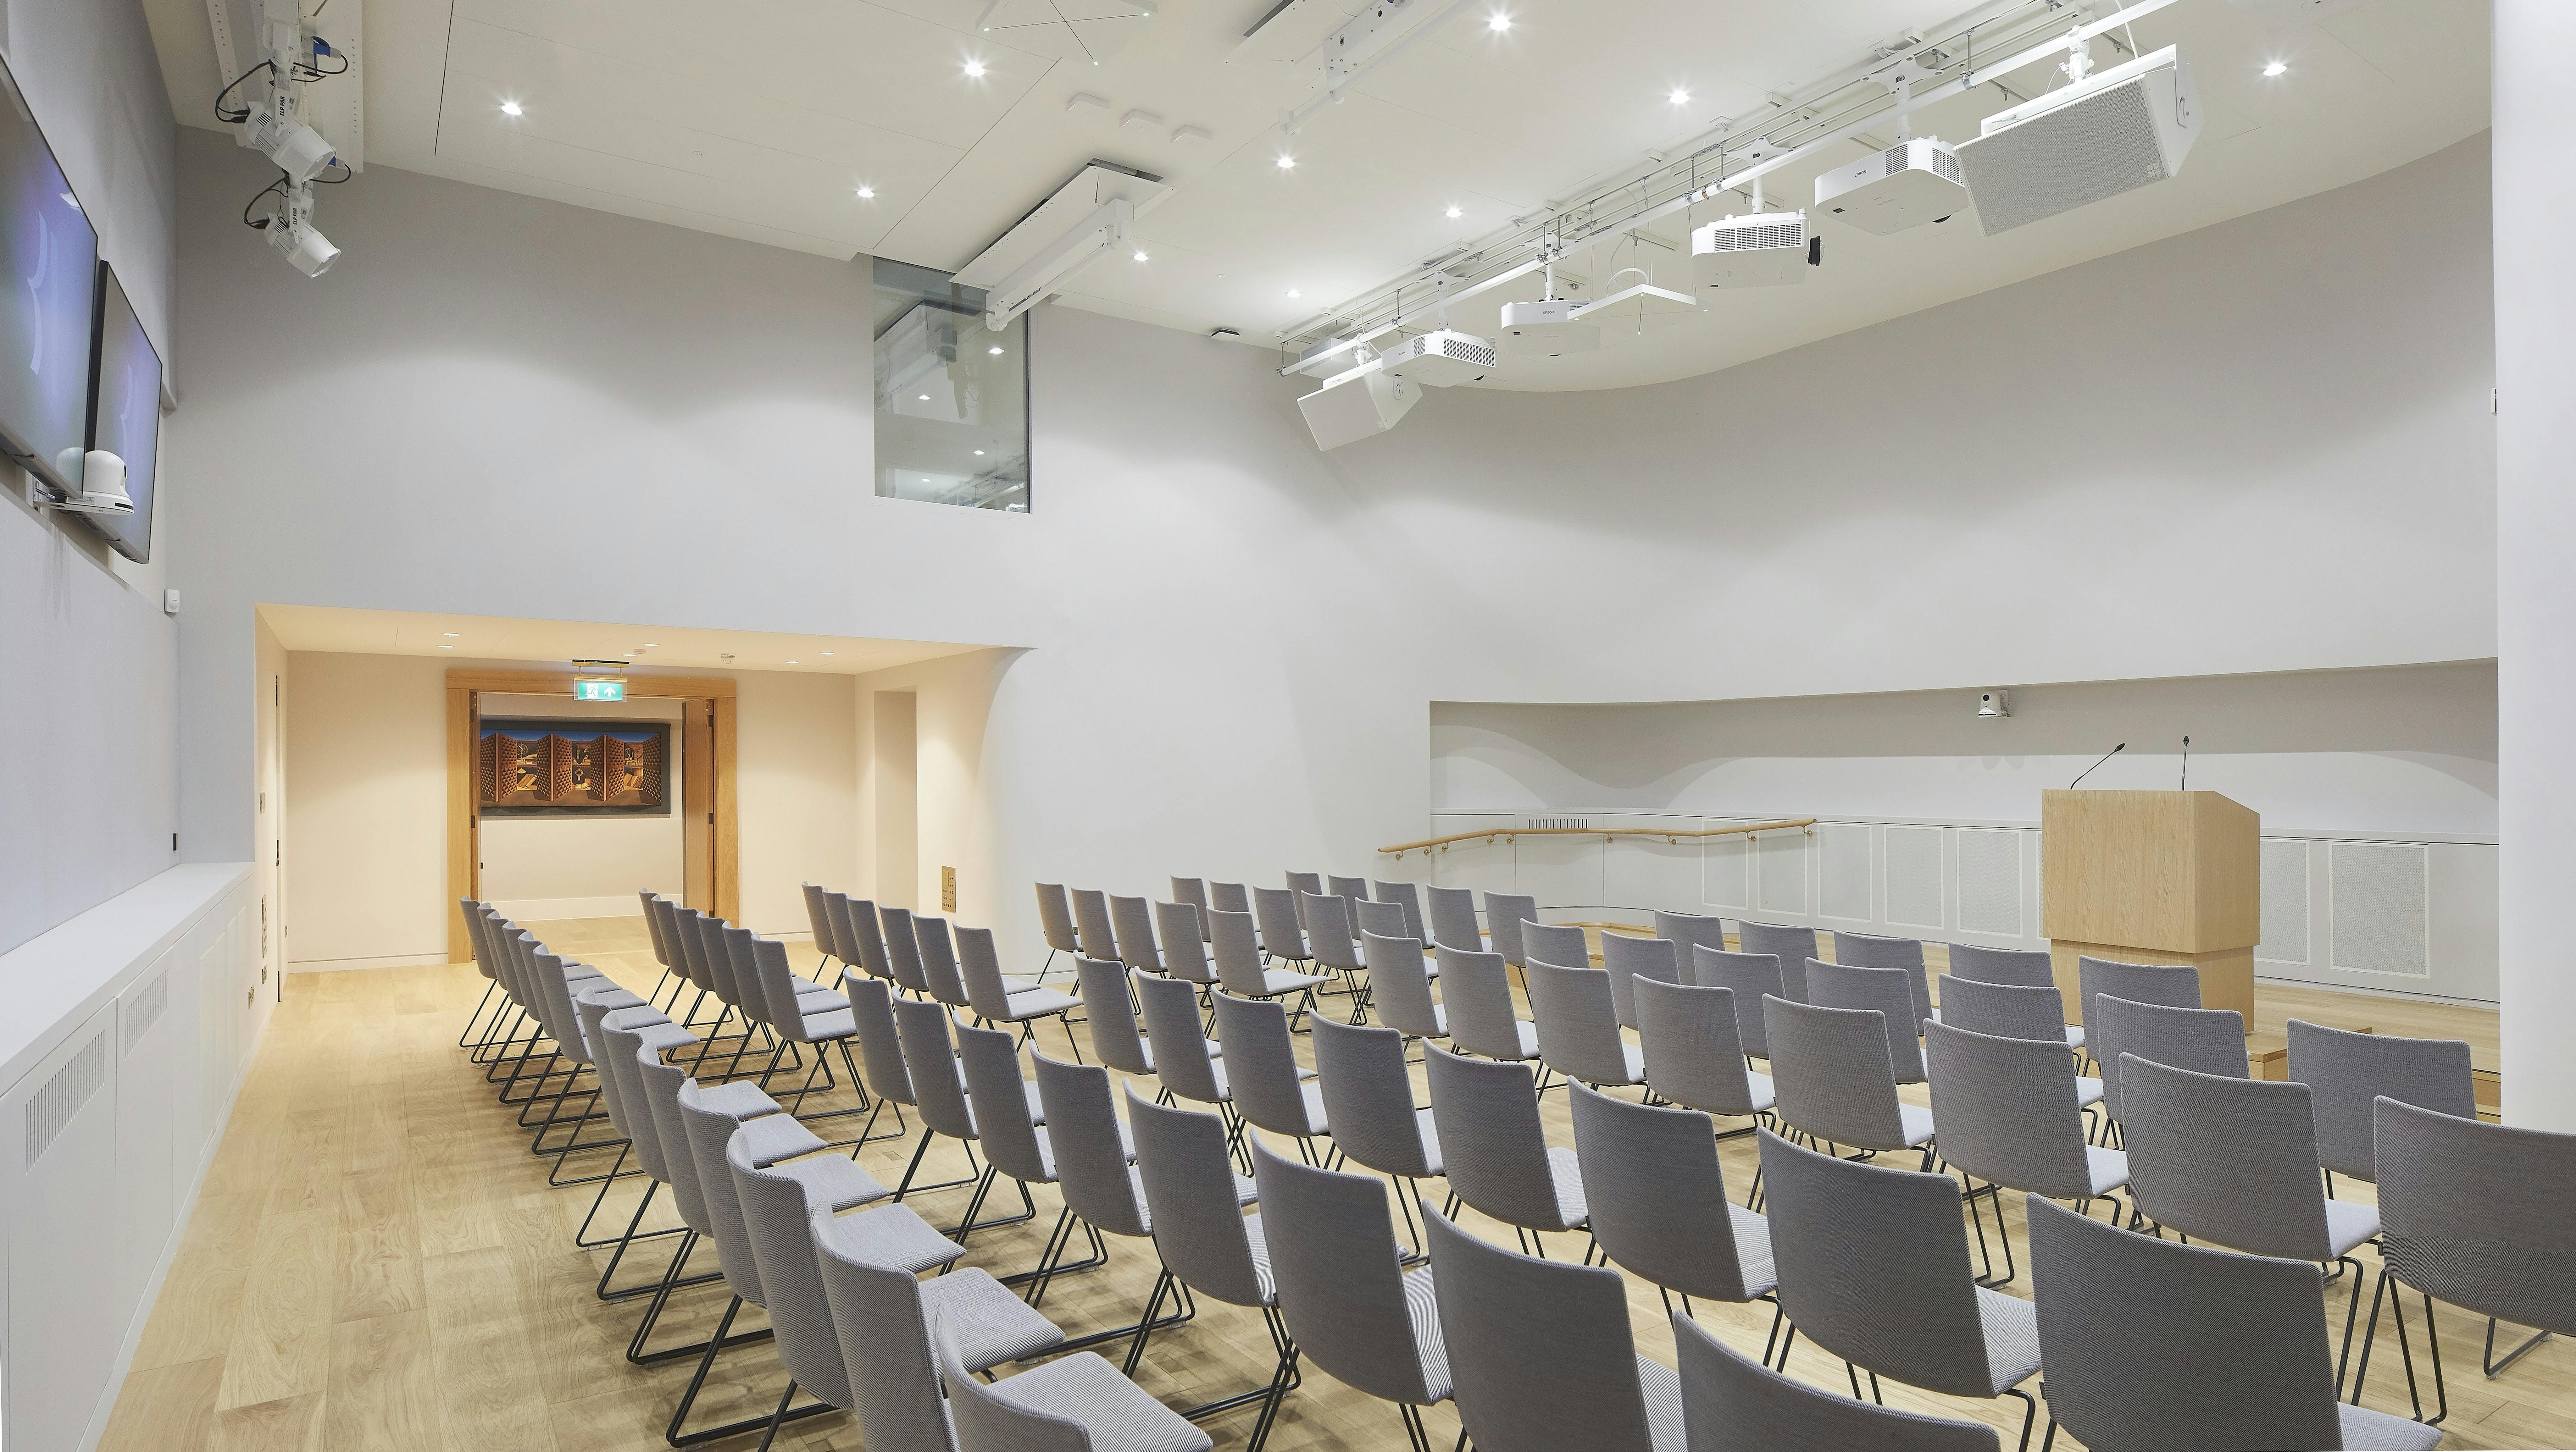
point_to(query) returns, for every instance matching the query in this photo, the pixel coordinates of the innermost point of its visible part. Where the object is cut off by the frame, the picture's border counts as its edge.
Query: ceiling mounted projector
(1440, 358)
(1350, 409)
(1907, 185)
(1547, 328)
(2111, 132)
(1761, 249)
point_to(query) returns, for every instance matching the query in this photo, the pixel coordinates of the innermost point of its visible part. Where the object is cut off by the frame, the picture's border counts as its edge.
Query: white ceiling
(558, 642)
(761, 119)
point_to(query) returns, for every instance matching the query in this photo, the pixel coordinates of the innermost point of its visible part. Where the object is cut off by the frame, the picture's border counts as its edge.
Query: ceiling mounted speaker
(1357, 408)
(2112, 132)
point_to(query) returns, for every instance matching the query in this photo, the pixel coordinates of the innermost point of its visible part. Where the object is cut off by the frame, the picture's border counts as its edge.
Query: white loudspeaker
(2112, 132)
(1358, 408)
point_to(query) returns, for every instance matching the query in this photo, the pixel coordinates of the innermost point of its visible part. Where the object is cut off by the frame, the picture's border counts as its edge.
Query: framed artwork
(574, 769)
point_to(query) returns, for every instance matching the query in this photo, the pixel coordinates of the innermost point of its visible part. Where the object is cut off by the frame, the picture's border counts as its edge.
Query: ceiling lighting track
(1825, 114)
(1341, 72)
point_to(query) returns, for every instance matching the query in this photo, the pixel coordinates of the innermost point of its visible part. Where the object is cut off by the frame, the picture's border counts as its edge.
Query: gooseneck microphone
(2186, 763)
(2097, 766)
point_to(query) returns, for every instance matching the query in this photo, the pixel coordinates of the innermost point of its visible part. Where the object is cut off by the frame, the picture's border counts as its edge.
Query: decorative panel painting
(574, 768)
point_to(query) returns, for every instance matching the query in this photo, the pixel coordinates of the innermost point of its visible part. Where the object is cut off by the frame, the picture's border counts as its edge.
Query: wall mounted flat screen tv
(125, 412)
(49, 273)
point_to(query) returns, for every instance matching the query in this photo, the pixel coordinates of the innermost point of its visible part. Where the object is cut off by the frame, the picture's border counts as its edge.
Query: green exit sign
(599, 690)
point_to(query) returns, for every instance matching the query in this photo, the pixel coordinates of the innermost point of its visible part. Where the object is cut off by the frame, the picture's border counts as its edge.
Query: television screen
(125, 412)
(49, 270)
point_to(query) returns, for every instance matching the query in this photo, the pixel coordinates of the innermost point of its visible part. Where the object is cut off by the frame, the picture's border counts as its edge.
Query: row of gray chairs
(926, 957)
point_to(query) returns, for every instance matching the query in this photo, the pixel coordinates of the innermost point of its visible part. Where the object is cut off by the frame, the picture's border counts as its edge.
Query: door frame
(711, 841)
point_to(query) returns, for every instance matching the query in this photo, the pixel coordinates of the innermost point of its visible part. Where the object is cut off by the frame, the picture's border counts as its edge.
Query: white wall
(537, 869)
(90, 659)
(795, 793)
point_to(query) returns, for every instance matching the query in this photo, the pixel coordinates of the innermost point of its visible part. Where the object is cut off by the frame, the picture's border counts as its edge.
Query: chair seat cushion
(2012, 1339)
(2109, 1167)
(894, 1235)
(1763, 1095)
(1422, 1306)
(1567, 1171)
(1039, 1002)
(2367, 1431)
(1917, 1121)
(660, 1038)
(1663, 1394)
(1115, 1411)
(742, 1099)
(1753, 1249)
(817, 1025)
(834, 1183)
(775, 1137)
(2088, 1092)
(991, 1324)
(1276, 981)
(2348, 1225)
(808, 988)
(2075, 1035)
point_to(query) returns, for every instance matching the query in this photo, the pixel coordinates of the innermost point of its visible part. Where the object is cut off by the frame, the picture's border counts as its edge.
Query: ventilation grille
(146, 1009)
(56, 1104)
(1753, 236)
(1466, 352)
(1579, 824)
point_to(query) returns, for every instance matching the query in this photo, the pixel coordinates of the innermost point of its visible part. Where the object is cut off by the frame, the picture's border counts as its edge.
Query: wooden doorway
(711, 845)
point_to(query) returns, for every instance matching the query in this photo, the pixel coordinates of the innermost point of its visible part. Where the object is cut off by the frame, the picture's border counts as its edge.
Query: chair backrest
(1754, 977)
(1869, 950)
(1333, 1257)
(778, 1221)
(1091, 925)
(753, 1001)
(1831, 1073)
(1690, 930)
(1305, 882)
(2347, 1073)
(1504, 914)
(2203, 1040)
(1111, 1015)
(939, 961)
(688, 948)
(2476, 1214)
(1792, 946)
(1832, 985)
(1405, 897)
(474, 921)
(881, 1060)
(990, 1061)
(1368, 1097)
(1133, 922)
(776, 980)
(1399, 986)
(983, 1420)
(866, 932)
(1657, 1196)
(554, 1007)
(885, 1342)
(818, 918)
(1491, 1141)
(1237, 950)
(1191, 890)
(2151, 1344)
(1476, 992)
(1090, 1156)
(1229, 897)
(903, 948)
(1283, 932)
(1355, 888)
(1629, 958)
(1181, 1058)
(625, 1035)
(1260, 1065)
(2016, 967)
(2007, 1110)
(1578, 1030)
(1055, 918)
(1732, 1403)
(1565, 947)
(1386, 919)
(979, 964)
(709, 1127)
(1188, 1172)
(713, 960)
(1328, 931)
(2232, 1160)
(930, 1058)
(1694, 1054)
(1185, 948)
(2174, 985)
(1540, 1350)
(1873, 1266)
(1452, 912)
(661, 1085)
(2004, 1010)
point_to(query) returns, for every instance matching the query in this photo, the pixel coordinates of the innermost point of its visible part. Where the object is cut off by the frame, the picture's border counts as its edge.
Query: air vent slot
(1577, 824)
(146, 1009)
(56, 1104)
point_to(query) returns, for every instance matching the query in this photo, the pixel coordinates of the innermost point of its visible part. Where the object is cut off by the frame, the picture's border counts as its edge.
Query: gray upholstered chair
(1109, 1011)
(2010, 1115)
(1368, 1097)
(2475, 1214)
(1091, 925)
(1229, 897)
(993, 999)
(1884, 991)
(1182, 1057)
(1694, 1054)
(818, 919)
(658, 1086)
(1753, 977)
(1280, 916)
(621, 1034)
(1494, 1149)
(1452, 913)
(938, 950)
(2152, 1345)
(1873, 1267)
(1656, 1197)
(1015, 1144)
(819, 1021)
(2203, 1040)
(1792, 946)
(2348, 1073)
(1540, 1353)
(1076, 1403)
(1578, 1028)
(1261, 1072)
(1627, 958)
(1690, 930)
(1329, 937)
(1400, 986)
(1342, 1293)
(1100, 1185)
(2172, 985)
(1566, 947)
(1870, 950)
(1831, 1078)
(1191, 892)
(1239, 965)
(1195, 1203)
(2008, 1010)
(1476, 999)
(1055, 923)
(1409, 901)
(1733, 1404)
(865, 932)
(924, 1032)
(1303, 882)
(1185, 946)
(903, 950)
(881, 1064)
(1504, 914)
(1131, 919)
(2018, 967)
(1386, 919)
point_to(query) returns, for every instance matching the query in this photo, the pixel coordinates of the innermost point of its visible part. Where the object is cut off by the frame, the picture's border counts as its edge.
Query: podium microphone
(2097, 766)
(2186, 763)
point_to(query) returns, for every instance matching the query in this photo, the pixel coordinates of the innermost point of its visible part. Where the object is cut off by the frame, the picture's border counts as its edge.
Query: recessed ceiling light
(925, 398)
(1287, 163)
(827, 652)
(1292, 292)
(974, 70)
(1141, 257)
(2277, 68)
(1455, 214)
(1679, 97)
(979, 453)
(648, 645)
(447, 647)
(996, 352)
(511, 108)
(791, 662)
(452, 634)
(867, 194)
(634, 652)
(1498, 23)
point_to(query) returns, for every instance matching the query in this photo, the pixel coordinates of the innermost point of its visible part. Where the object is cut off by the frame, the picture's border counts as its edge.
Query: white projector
(1763, 249)
(1440, 358)
(1547, 327)
(1357, 408)
(2112, 132)
(1907, 185)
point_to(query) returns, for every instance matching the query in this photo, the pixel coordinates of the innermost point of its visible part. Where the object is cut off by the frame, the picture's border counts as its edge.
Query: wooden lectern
(2152, 877)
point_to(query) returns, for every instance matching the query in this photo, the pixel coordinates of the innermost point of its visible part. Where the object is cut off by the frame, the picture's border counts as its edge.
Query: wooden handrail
(1672, 835)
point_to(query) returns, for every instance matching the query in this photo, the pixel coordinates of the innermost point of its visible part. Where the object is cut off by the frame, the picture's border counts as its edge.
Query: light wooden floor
(378, 1262)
